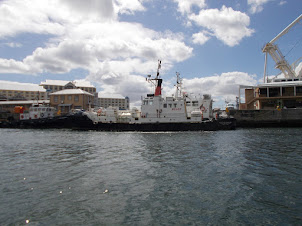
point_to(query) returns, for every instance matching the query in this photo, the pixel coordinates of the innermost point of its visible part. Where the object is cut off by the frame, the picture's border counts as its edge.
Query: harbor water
(66, 177)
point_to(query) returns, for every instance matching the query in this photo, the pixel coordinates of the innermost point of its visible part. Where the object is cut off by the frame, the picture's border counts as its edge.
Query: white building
(113, 100)
(11, 91)
(57, 85)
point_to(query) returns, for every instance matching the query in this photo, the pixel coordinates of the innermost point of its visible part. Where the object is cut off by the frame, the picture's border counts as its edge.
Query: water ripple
(52, 177)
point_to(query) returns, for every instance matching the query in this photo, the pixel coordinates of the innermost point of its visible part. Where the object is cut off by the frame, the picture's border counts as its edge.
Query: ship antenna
(158, 81)
(158, 67)
(178, 85)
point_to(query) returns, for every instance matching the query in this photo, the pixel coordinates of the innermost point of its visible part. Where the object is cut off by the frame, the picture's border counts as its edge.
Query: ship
(179, 112)
(39, 116)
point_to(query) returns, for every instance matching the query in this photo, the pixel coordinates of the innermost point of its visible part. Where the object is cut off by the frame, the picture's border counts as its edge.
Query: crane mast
(274, 51)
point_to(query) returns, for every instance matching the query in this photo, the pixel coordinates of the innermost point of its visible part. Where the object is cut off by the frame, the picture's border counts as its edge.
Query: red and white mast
(158, 81)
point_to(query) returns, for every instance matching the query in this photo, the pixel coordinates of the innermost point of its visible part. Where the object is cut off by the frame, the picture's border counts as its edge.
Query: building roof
(7, 85)
(110, 95)
(20, 102)
(71, 92)
(273, 84)
(279, 84)
(78, 83)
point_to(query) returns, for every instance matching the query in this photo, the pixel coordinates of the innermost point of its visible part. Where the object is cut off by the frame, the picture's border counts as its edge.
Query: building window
(55, 99)
(69, 97)
(299, 90)
(62, 98)
(76, 98)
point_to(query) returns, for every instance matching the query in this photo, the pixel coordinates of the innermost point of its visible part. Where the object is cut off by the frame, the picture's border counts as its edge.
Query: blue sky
(215, 45)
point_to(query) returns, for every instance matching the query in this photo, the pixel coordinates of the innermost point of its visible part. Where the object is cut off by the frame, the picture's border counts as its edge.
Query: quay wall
(291, 117)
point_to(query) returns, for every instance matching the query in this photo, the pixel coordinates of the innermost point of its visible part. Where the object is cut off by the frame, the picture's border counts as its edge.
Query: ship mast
(157, 80)
(178, 86)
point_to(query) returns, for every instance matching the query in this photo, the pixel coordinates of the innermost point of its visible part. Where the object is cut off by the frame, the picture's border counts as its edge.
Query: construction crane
(277, 55)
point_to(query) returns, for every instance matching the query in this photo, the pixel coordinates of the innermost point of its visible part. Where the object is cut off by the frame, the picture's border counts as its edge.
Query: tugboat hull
(84, 123)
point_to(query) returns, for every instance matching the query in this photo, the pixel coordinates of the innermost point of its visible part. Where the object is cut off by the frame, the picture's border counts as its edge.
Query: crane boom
(277, 55)
(286, 29)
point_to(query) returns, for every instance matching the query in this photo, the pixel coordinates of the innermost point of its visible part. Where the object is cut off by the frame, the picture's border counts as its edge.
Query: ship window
(150, 102)
(188, 103)
(194, 103)
(145, 102)
(165, 105)
(175, 105)
(43, 109)
(170, 105)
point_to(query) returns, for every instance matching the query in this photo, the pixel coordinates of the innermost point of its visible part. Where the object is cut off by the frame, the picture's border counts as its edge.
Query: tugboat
(39, 117)
(181, 112)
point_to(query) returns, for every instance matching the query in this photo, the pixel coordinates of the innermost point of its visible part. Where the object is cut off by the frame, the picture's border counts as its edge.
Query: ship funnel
(158, 87)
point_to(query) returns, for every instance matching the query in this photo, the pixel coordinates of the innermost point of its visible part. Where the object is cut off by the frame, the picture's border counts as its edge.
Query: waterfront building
(14, 91)
(280, 93)
(57, 85)
(66, 100)
(113, 100)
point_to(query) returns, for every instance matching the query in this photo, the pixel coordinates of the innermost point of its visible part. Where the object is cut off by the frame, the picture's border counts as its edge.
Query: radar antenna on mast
(158, 67)
(178, 86)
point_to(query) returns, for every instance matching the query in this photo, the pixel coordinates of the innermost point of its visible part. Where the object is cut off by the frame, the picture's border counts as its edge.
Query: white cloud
(85, 35)
(221, 87)
(256, 6)
(54, 16)
(87, 46)
(13, 66)
(226, 24)
(282, 2)
(185, 6)
(13, 44)
(200, 38)
(34, 18)
(128, 6)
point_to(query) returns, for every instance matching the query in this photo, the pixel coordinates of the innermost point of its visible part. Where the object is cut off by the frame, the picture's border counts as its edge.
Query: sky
(215, 45)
